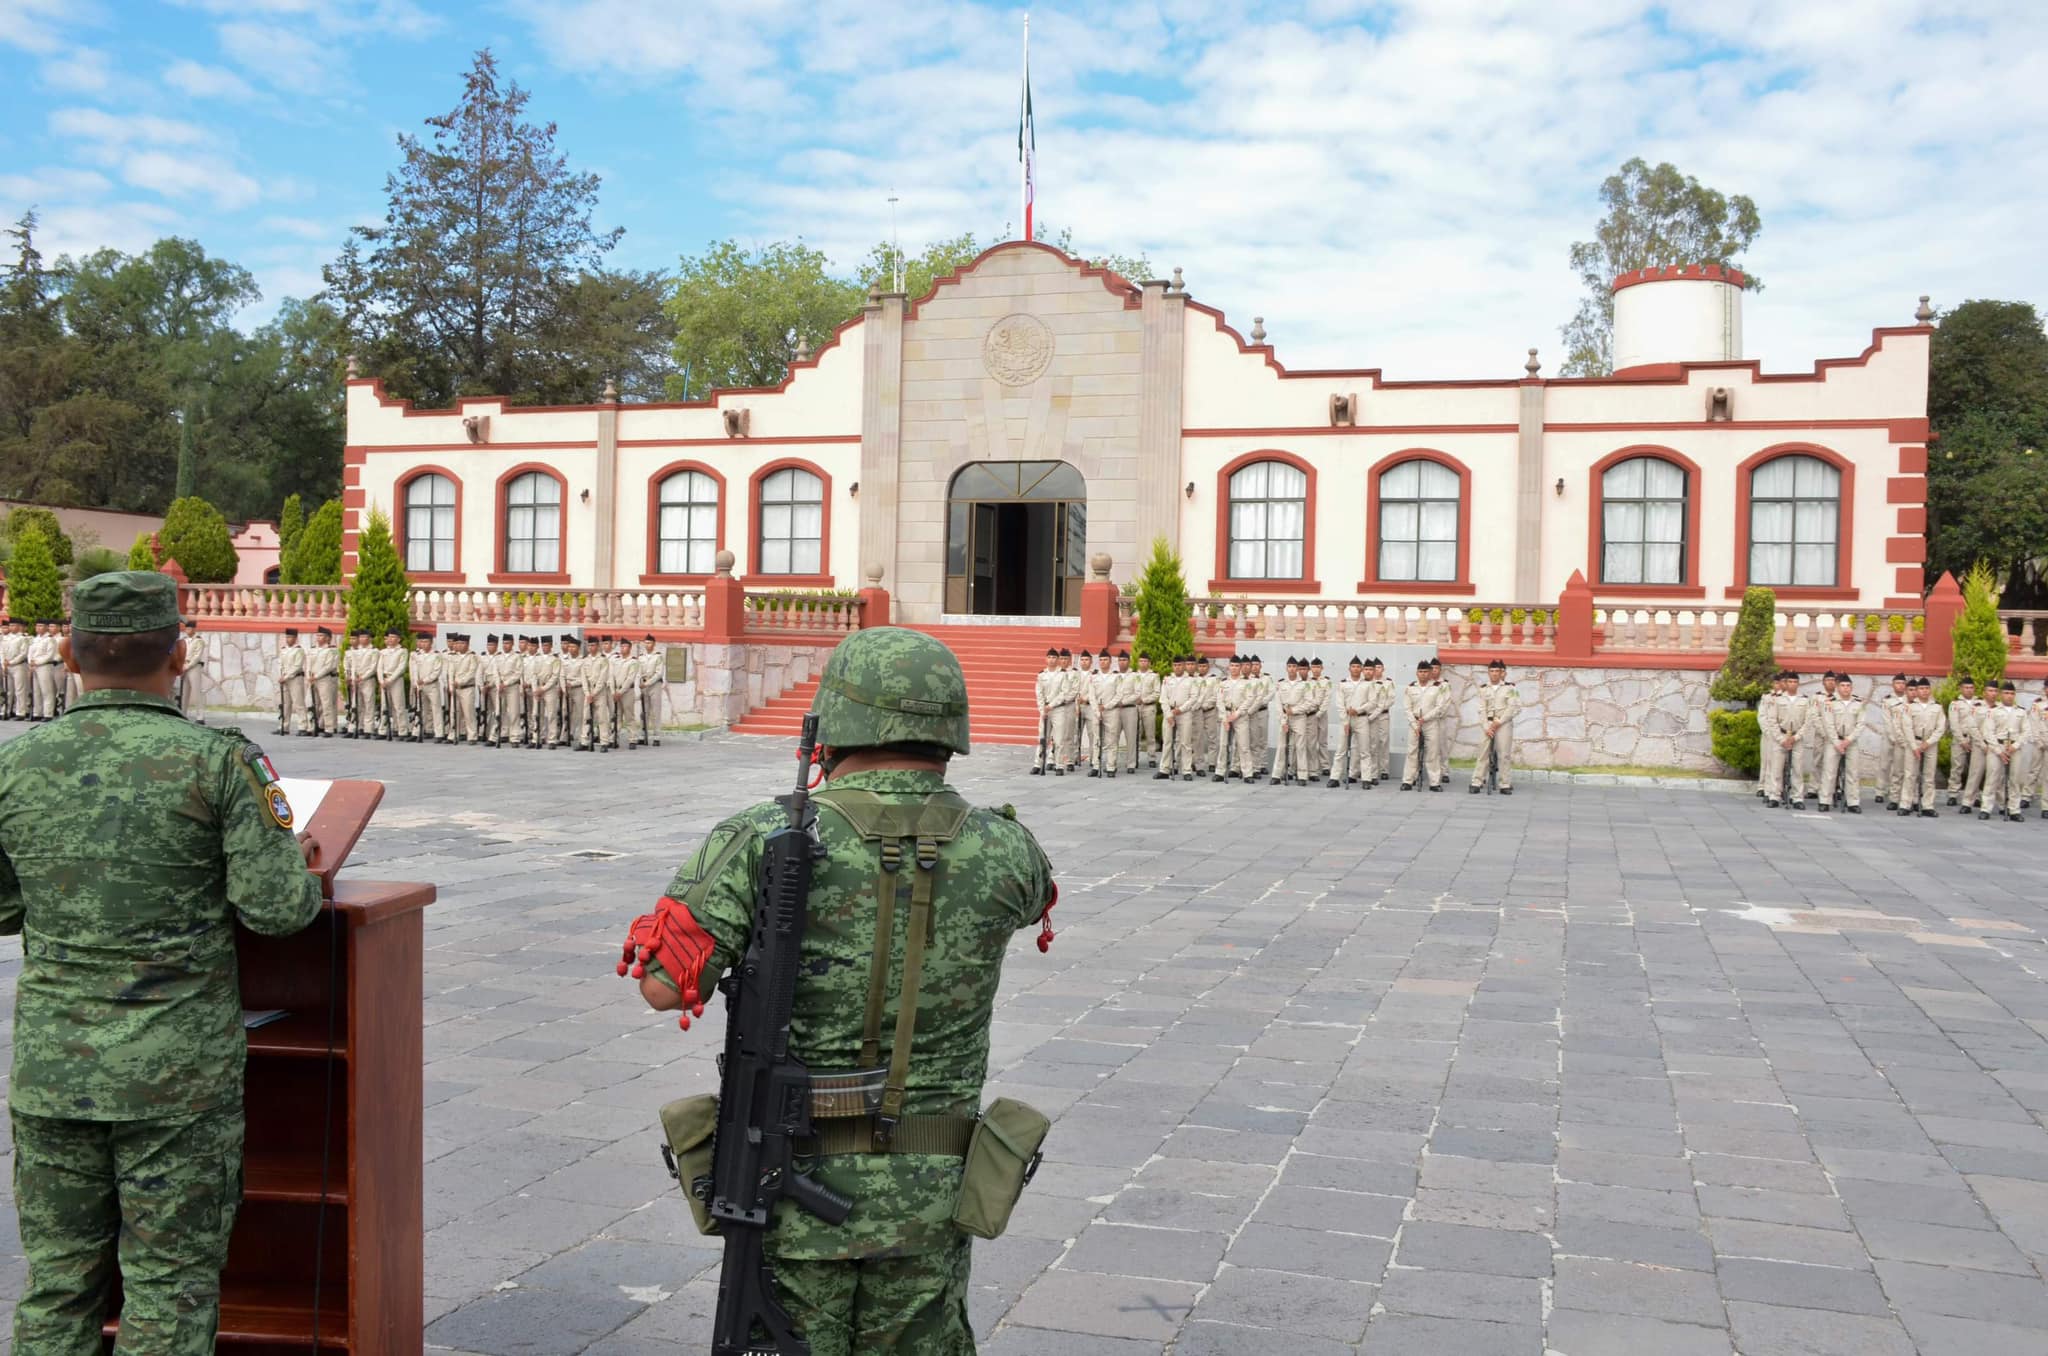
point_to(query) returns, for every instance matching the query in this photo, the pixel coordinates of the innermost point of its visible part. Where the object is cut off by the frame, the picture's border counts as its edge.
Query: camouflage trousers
(159, 1196)
(914, 1305)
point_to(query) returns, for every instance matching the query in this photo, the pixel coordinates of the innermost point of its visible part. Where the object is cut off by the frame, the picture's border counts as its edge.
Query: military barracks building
(969, 450)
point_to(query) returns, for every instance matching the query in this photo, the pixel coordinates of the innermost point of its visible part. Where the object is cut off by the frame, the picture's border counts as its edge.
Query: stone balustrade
(782, 612)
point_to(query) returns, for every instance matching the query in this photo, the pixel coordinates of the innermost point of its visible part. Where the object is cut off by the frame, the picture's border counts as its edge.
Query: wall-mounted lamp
(854, 489)
(1560, 487)
(586, 496)
(1190, 491)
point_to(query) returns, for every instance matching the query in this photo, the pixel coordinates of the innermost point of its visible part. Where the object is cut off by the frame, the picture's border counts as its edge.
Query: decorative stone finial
(611, 391)
(803, 349)
(723, 563)
(1925, 313)
(1258, 329)
(875, 295)
(355, 369)
(1532, 367)
(1178, 285)
(1098, 565)
(873, 574)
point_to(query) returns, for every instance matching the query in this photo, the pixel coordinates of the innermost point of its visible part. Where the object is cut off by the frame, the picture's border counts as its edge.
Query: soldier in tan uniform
(2001, 732)
(1840, 721)
(597, 691)
(628, 723)
(490, 691)
(1890, 751)
(1382, 717)
(1963, 760)
(45, 664)
(575, 699)
(650, 670)
(1043, 690)
(359, 667)
(323, 684)
(14, 669)
(1921, 725)
(1795, 715)
(392, 662)
(1260, 711)
(1123, 744)
(1148, 710)
(1286, 766)
(462, 672)
(1426, 699)
(423, 671)
(1064, 698)
(1100, 740)
(515, 691)
(1246, 710)
(74, 683)
(191, 684)
(1498, 702)
(1228, 693)
(544, 700)
(2035, 783)
(291, 684)
(1172, 687)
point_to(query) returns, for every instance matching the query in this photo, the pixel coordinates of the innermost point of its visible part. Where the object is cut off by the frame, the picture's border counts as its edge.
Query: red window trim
(1371, 582)
(1307, 583)
(654, 577)
(754, 577)
(502, 575)
(456, 575)
(1845, 525)
(1596, 526)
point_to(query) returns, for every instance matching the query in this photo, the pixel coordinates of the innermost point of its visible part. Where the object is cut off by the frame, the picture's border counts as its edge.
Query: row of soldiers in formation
(518, 692)
(1998, 749)
(1196, 721)
(34, 685)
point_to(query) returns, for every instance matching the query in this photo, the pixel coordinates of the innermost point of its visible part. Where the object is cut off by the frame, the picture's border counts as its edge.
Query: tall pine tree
(1164, 631)
(381, 597)
(35, 591)
(291, 521)
(1979, 636)
(317, 559)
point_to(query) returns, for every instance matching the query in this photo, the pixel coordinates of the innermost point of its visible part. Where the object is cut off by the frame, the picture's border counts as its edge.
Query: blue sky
(1389, 184)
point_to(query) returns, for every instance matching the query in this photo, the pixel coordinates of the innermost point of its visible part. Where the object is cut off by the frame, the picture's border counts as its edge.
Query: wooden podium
(327, 1251)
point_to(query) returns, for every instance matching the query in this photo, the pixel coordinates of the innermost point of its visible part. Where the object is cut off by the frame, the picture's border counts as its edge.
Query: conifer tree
(317, 559)
(142, 555)
(291, 522)
(1164, 632)
(1979, 635)
(1747, 673)
(35, 591)
(380, 599)
(196, 536)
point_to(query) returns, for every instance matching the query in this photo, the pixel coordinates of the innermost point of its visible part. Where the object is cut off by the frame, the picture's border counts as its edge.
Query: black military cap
(1123, 654)
(2007, 686)
(290, 633)
(1435, 662)
(390, 632)
(649, 637)
(1051, 652)
(327, 633)
(1498, 664)
(1065, 653)
(1355, 660)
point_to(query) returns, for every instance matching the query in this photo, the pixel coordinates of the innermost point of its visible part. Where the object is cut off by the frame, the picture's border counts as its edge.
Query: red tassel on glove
(1045, 932)
(673, 938)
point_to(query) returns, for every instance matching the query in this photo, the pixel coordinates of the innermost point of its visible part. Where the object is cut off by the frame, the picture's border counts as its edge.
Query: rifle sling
(946, 1135)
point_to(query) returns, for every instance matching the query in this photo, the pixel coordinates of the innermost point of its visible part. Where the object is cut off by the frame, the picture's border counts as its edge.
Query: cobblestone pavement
(1597, 1070)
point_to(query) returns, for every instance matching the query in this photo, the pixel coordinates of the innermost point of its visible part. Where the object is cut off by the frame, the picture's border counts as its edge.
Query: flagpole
(1025, 129)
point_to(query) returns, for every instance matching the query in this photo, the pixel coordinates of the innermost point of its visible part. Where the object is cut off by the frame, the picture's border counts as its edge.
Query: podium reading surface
(327, 1251)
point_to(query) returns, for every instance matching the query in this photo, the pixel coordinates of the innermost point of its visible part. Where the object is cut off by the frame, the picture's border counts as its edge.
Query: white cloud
(163, 155)
(206, 82)
(78, 70)
(282, 57)
(305, 47)
(302, 228)
(53, 183)
(44, 26)
(1397, 192)
(123, 129)
(177, 175)
(78, 229)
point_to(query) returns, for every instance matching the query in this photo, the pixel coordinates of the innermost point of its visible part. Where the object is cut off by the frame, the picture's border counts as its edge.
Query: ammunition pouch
(1002, 1158)
(688, 1127)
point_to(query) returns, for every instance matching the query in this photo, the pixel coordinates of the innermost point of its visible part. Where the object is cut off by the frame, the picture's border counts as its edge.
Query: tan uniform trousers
(1783, 770)
(1503, 751)
(1961, 761)
(1414, 772)
(1832, 764)
(1120, 737)
(577, 703)
(547, 716)
(326, 701)
(462, 712)
(296, 710)
(363, 698)
(428, 695)
(1148, 727)
(46, 689)
(394, 717)
(602, 714)
(1914, 779)
(1064, 720)
(494, 710)
(1242, 751)
(1187, 742)
(511, 714)
(632, 714)
(20, 691)
(1980, 769)
(2002, 790)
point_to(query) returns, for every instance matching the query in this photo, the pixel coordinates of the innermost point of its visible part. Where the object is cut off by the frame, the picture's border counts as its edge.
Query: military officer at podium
(132, 841)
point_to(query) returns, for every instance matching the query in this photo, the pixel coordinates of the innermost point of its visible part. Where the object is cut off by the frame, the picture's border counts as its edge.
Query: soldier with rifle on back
(848, 1162)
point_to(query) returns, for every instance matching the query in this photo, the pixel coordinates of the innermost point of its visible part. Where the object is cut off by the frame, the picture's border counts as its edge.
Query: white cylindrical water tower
(1675, 314)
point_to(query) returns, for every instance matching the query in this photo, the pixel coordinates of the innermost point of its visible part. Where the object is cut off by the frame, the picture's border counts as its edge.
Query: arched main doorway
(1016, 539)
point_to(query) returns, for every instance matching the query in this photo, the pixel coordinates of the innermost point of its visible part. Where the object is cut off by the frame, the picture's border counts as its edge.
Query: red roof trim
(1114, 283)
(1681, 273)
(1666, 376)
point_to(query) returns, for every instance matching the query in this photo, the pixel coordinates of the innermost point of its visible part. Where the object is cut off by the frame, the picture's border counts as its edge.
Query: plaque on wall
(677, 661)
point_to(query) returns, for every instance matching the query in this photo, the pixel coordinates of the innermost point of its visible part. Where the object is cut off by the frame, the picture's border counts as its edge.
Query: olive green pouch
(688, 1126)
(1002, 1156)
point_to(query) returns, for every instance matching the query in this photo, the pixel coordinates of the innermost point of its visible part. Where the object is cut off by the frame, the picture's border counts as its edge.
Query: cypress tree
(1979, 635)
(142, 555)
(291, 524)
(196, 536)
(1164, 632)
(380, 597)
(35, 591)
(317, 559)
(1751, 663)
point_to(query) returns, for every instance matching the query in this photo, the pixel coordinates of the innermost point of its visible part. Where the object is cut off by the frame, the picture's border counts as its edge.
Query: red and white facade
(970, 450)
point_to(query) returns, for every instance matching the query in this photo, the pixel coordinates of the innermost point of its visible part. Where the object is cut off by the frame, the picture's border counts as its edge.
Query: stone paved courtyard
(1594, 1070)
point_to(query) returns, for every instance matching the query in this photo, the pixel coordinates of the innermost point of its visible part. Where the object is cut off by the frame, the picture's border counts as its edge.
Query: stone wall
(725, 682)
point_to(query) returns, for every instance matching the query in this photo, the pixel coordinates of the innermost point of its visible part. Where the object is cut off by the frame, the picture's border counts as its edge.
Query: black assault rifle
(764, 1093)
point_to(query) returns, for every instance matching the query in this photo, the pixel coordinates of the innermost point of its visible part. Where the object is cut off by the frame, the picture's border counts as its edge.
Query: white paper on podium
(305, 794)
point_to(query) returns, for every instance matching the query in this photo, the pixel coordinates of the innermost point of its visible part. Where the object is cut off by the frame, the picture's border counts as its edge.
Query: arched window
(792, 534)
(533, 524)
(687, 528)
(1268, 521)
(1418, 522)
(1795, 513)
(1643, 522)
(430, 525)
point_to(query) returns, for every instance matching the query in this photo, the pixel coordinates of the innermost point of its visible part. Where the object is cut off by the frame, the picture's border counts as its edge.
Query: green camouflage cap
(125, 602)
(890, 685)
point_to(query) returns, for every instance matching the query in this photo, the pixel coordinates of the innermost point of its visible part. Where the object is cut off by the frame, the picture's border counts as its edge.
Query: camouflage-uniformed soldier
(131, 843)
(1498, 702)
(892, 708)
(323, 669)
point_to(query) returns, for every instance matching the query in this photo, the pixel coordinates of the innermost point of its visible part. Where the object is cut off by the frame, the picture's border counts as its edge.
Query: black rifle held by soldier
(764, 1092)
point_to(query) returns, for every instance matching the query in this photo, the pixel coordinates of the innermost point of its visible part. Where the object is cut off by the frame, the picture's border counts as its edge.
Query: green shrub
(196, 536)
(35, 591)
(1519, 615)
(97, 560)
(1737, 739)
(42, 520)
(1164, 631)
(1978, 634)
(316, 559)
(1872, 623)
(1895, 624)
(1497, 616)
(381, 597)
(291, 522)
(1750, 665)
(142, 555)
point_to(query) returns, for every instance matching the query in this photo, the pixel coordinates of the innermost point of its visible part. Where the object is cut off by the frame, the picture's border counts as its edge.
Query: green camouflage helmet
(890, 685)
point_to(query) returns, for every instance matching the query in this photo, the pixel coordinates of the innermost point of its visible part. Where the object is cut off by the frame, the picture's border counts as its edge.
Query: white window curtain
(533, 525)
(1795, 512)
(1268, 521)
(688, 524)
(792, 523)
(430, 525)
(1643, 512)
(1418, 523)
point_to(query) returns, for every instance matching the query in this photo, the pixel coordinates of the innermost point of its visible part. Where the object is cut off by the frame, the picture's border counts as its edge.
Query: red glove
(673, 938)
